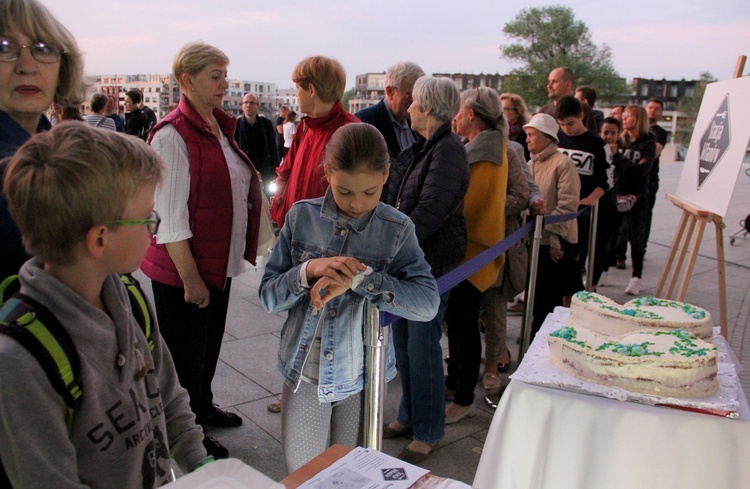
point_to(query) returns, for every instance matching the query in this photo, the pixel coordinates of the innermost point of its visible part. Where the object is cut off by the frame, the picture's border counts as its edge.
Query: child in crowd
(333, 254)
(83, 200)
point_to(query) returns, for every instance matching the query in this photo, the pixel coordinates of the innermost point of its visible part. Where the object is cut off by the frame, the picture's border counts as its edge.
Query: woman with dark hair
(632, 167)
(98, 117)
(210, 204)
(320, 83)
(428, 183)
(40, 63)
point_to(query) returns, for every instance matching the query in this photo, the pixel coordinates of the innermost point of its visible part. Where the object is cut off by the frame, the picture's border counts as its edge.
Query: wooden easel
(692, 217)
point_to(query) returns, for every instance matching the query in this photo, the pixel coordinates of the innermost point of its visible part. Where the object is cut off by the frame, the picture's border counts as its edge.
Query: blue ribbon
(457, 275)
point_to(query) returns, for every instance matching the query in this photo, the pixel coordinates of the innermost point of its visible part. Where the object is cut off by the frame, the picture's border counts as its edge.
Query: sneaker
(214, 448)
(603, 280)
(634, 287)
(620, 264)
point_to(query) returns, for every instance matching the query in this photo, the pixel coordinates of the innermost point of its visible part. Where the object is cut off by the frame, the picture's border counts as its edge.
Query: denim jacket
(401, 283)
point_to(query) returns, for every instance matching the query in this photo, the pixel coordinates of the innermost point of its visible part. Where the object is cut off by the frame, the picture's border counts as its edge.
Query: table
(542, 437)
(335, 452)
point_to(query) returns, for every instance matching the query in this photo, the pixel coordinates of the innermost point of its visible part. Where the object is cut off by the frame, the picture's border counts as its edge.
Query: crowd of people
(373, 206)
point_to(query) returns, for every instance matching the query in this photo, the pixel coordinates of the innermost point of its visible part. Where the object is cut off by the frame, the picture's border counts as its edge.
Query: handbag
(626, 202)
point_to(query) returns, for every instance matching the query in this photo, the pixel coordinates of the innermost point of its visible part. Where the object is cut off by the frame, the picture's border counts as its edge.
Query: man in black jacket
(255, 135)
(390, 116)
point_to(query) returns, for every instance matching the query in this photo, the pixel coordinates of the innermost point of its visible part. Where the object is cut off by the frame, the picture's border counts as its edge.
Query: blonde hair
(36, 22)
(63, 182)
(327, 75)
(194, 56)
(641, 120)
(516, 101)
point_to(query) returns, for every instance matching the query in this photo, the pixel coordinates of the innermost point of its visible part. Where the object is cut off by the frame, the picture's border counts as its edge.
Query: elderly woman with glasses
(40, 63)
(428, 182)
(210, 204)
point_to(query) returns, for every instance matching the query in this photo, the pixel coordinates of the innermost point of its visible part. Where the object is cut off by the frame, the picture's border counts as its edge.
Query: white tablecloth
(541, 437)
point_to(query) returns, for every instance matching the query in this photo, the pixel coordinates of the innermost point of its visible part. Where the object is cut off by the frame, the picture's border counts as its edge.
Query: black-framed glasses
(10, 50)
(152, 222)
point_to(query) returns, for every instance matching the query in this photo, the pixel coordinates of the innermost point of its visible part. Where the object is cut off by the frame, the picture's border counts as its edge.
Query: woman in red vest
(210, 207)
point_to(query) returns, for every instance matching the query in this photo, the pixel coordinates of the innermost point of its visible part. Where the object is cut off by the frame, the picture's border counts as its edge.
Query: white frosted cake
(670, 363)
(605, 316)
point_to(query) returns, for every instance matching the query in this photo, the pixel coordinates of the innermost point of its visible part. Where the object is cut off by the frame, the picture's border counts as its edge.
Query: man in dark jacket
(390, 116)
(255, 136)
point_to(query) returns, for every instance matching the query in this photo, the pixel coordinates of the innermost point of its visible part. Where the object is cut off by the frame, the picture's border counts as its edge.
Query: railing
(377, 327)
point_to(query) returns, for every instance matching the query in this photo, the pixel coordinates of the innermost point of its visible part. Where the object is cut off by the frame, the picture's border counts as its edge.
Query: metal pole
(376, 337)
(531, 288)
(591, 257)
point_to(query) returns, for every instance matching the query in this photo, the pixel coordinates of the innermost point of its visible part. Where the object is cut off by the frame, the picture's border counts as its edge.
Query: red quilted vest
(209, 203)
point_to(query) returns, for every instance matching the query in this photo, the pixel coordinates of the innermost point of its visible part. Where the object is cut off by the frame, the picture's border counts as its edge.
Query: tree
(347, 95)
(689, 107)
(549, 37)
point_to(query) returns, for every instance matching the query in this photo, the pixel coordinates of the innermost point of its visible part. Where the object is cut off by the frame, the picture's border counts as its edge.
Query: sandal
(503, 367)
(275, 406)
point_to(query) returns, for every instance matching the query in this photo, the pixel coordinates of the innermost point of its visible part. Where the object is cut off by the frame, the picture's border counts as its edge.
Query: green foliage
(548, 37)
(689, 107)
(347, 95)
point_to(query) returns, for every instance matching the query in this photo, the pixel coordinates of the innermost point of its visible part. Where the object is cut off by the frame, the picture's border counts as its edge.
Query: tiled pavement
(247, 379)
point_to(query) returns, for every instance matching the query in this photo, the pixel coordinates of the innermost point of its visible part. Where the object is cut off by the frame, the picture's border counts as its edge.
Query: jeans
(194, 337)
(419, 360)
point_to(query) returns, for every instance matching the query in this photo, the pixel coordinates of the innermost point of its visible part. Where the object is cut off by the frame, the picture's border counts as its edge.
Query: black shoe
(214, 448)
(217, 417)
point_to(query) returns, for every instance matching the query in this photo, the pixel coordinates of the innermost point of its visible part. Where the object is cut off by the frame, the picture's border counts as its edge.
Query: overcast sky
(670, 39)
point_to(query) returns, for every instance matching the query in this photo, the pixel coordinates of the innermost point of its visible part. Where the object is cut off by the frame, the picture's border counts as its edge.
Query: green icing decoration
(630, 350)
(568, 334)
(688, 309)
(636, 313)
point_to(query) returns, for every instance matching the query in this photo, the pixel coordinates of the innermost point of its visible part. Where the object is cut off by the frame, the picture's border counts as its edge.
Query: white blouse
(172, 194)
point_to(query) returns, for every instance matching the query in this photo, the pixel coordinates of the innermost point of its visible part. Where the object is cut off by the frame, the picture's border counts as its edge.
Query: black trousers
(553, 282)
(464, 342)
(194, 337)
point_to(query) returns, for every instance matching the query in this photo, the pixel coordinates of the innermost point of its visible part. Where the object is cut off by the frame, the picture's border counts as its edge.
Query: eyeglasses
(152, 222)
(10, 50)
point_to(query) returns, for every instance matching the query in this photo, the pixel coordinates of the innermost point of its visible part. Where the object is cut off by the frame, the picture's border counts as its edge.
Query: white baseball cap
(546, 124)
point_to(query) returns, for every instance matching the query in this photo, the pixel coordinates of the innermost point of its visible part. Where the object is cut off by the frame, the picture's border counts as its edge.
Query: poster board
(717, 147)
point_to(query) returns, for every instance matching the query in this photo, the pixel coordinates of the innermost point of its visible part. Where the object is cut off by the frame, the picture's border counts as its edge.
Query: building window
(673, 90)
(690, 91)
(644, 90)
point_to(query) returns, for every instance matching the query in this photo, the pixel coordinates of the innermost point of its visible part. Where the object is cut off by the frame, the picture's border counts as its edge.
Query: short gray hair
(485, 102)
(402, 73)
(438, 97)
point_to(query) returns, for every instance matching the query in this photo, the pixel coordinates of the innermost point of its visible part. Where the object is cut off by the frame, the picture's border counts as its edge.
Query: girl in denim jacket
(333, 254)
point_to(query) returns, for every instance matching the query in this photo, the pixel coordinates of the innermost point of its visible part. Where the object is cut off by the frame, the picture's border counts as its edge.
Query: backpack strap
(139, 305)
(39, 331)
(7, 286)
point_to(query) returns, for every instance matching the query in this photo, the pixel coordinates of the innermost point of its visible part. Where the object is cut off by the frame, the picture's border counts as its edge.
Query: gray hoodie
(134, 414)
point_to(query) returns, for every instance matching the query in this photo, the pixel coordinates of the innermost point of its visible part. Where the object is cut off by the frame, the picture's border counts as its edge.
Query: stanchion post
(376, 337)
(591, 257)
(531, 288)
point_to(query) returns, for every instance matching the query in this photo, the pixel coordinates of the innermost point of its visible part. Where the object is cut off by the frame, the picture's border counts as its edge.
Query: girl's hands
(334, 275)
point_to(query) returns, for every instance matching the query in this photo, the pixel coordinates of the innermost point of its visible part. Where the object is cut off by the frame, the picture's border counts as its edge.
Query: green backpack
(38, 330)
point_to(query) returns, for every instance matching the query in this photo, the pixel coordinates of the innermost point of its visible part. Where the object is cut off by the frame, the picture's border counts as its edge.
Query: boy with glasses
(83, 200)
